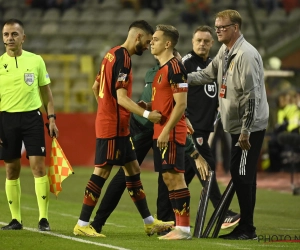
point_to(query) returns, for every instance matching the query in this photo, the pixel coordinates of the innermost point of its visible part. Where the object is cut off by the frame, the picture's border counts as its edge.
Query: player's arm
(200, 162)
(95, 89)
(180, 98)
(47, 100)
(123, 100)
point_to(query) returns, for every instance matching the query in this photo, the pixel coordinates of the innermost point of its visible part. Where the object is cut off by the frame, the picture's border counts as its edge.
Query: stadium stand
(91, 27)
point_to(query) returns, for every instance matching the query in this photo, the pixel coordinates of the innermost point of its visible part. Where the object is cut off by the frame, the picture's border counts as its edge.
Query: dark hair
(204, 28)
(13, 21)
(169, 31)
(143, 25)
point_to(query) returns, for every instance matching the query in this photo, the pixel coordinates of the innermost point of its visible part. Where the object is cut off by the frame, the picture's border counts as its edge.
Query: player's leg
(110, 200)
(170, 162)
(104, 160)
(138, 196)
(11, 154)
(142, 144)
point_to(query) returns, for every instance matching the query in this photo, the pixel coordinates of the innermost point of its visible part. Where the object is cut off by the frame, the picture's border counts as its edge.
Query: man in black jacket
(202, 105)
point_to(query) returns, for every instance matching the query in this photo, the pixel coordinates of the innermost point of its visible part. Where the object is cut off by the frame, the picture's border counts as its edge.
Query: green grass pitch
(276, 215)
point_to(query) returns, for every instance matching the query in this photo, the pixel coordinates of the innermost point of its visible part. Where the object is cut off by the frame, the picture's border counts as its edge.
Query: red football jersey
(169, 79)
(115, 72)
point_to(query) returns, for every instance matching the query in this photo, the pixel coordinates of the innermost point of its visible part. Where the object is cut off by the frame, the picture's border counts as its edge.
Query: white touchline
(71, 238)
(72, 216)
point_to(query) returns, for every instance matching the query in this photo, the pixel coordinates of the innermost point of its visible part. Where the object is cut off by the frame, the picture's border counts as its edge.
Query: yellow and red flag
(59, 169)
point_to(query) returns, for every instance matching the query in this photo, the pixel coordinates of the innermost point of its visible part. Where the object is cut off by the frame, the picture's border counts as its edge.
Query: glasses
(223, 28)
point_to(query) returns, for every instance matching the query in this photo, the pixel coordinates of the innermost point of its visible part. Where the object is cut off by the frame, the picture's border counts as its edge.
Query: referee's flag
(59, 169)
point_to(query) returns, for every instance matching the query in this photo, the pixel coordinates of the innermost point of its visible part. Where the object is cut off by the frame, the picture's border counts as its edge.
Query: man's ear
(168, 44)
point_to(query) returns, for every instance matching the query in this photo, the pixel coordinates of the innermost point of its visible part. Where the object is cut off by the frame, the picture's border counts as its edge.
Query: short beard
(139, 49)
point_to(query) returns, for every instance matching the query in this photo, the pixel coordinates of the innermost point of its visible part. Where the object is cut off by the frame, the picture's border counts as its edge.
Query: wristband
(51, 116)
(146, 114)
(195, 156)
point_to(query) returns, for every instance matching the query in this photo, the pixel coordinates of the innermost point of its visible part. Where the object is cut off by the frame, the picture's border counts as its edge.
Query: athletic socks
(137, 194)
(182, 209)
(13, 194)
(91, 196)
(42, 191)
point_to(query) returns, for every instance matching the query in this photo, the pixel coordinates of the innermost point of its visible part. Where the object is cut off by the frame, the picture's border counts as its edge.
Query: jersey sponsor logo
(122, 77)
(164, 162)
(200, 141)
(43, 149)
(29, 78)
(5, 66)
(198, 68)
(210, 89)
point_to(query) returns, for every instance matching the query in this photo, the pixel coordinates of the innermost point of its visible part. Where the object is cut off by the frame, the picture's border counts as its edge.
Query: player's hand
(244, 142)
(163, 140)
(189, 126)
(202, 167)
(142, 104)
(154, 116)
(52, 129)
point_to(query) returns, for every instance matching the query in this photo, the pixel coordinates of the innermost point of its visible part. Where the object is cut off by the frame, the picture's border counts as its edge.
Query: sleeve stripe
(126, 59)
(251, 107)
(175, 66)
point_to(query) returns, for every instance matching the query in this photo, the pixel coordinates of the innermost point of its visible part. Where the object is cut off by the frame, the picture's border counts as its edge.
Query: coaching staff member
(238, 68)
(23, 76)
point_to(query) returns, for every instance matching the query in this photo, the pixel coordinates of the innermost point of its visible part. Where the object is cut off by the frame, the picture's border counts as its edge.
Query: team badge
(29, 78)
(200, 140)
(122, 77)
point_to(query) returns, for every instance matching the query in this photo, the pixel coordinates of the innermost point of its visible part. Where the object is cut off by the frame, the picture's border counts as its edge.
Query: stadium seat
(294, 16)
(55, 72)
(76, 45)
(125, 15)
(70, 15)
(110, 5)
(278, 16)
(56, 45)
(32, 28)
(106, 16)
(31, 15)
(52, 14)
(49, 28)
(36, 44)
(89, 15)
(13, 13)
(145, 14)
(164, 15)
(68, 29)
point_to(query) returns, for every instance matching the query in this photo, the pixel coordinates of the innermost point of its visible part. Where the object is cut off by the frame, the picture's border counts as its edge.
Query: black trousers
(142, 141)
(243, 172)
(201, 142)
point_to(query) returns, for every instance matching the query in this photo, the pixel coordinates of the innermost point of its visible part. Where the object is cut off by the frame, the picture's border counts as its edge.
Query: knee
(12, 170)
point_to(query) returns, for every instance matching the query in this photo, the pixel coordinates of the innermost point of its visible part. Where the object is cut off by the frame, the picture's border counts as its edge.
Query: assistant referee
(23, 77)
